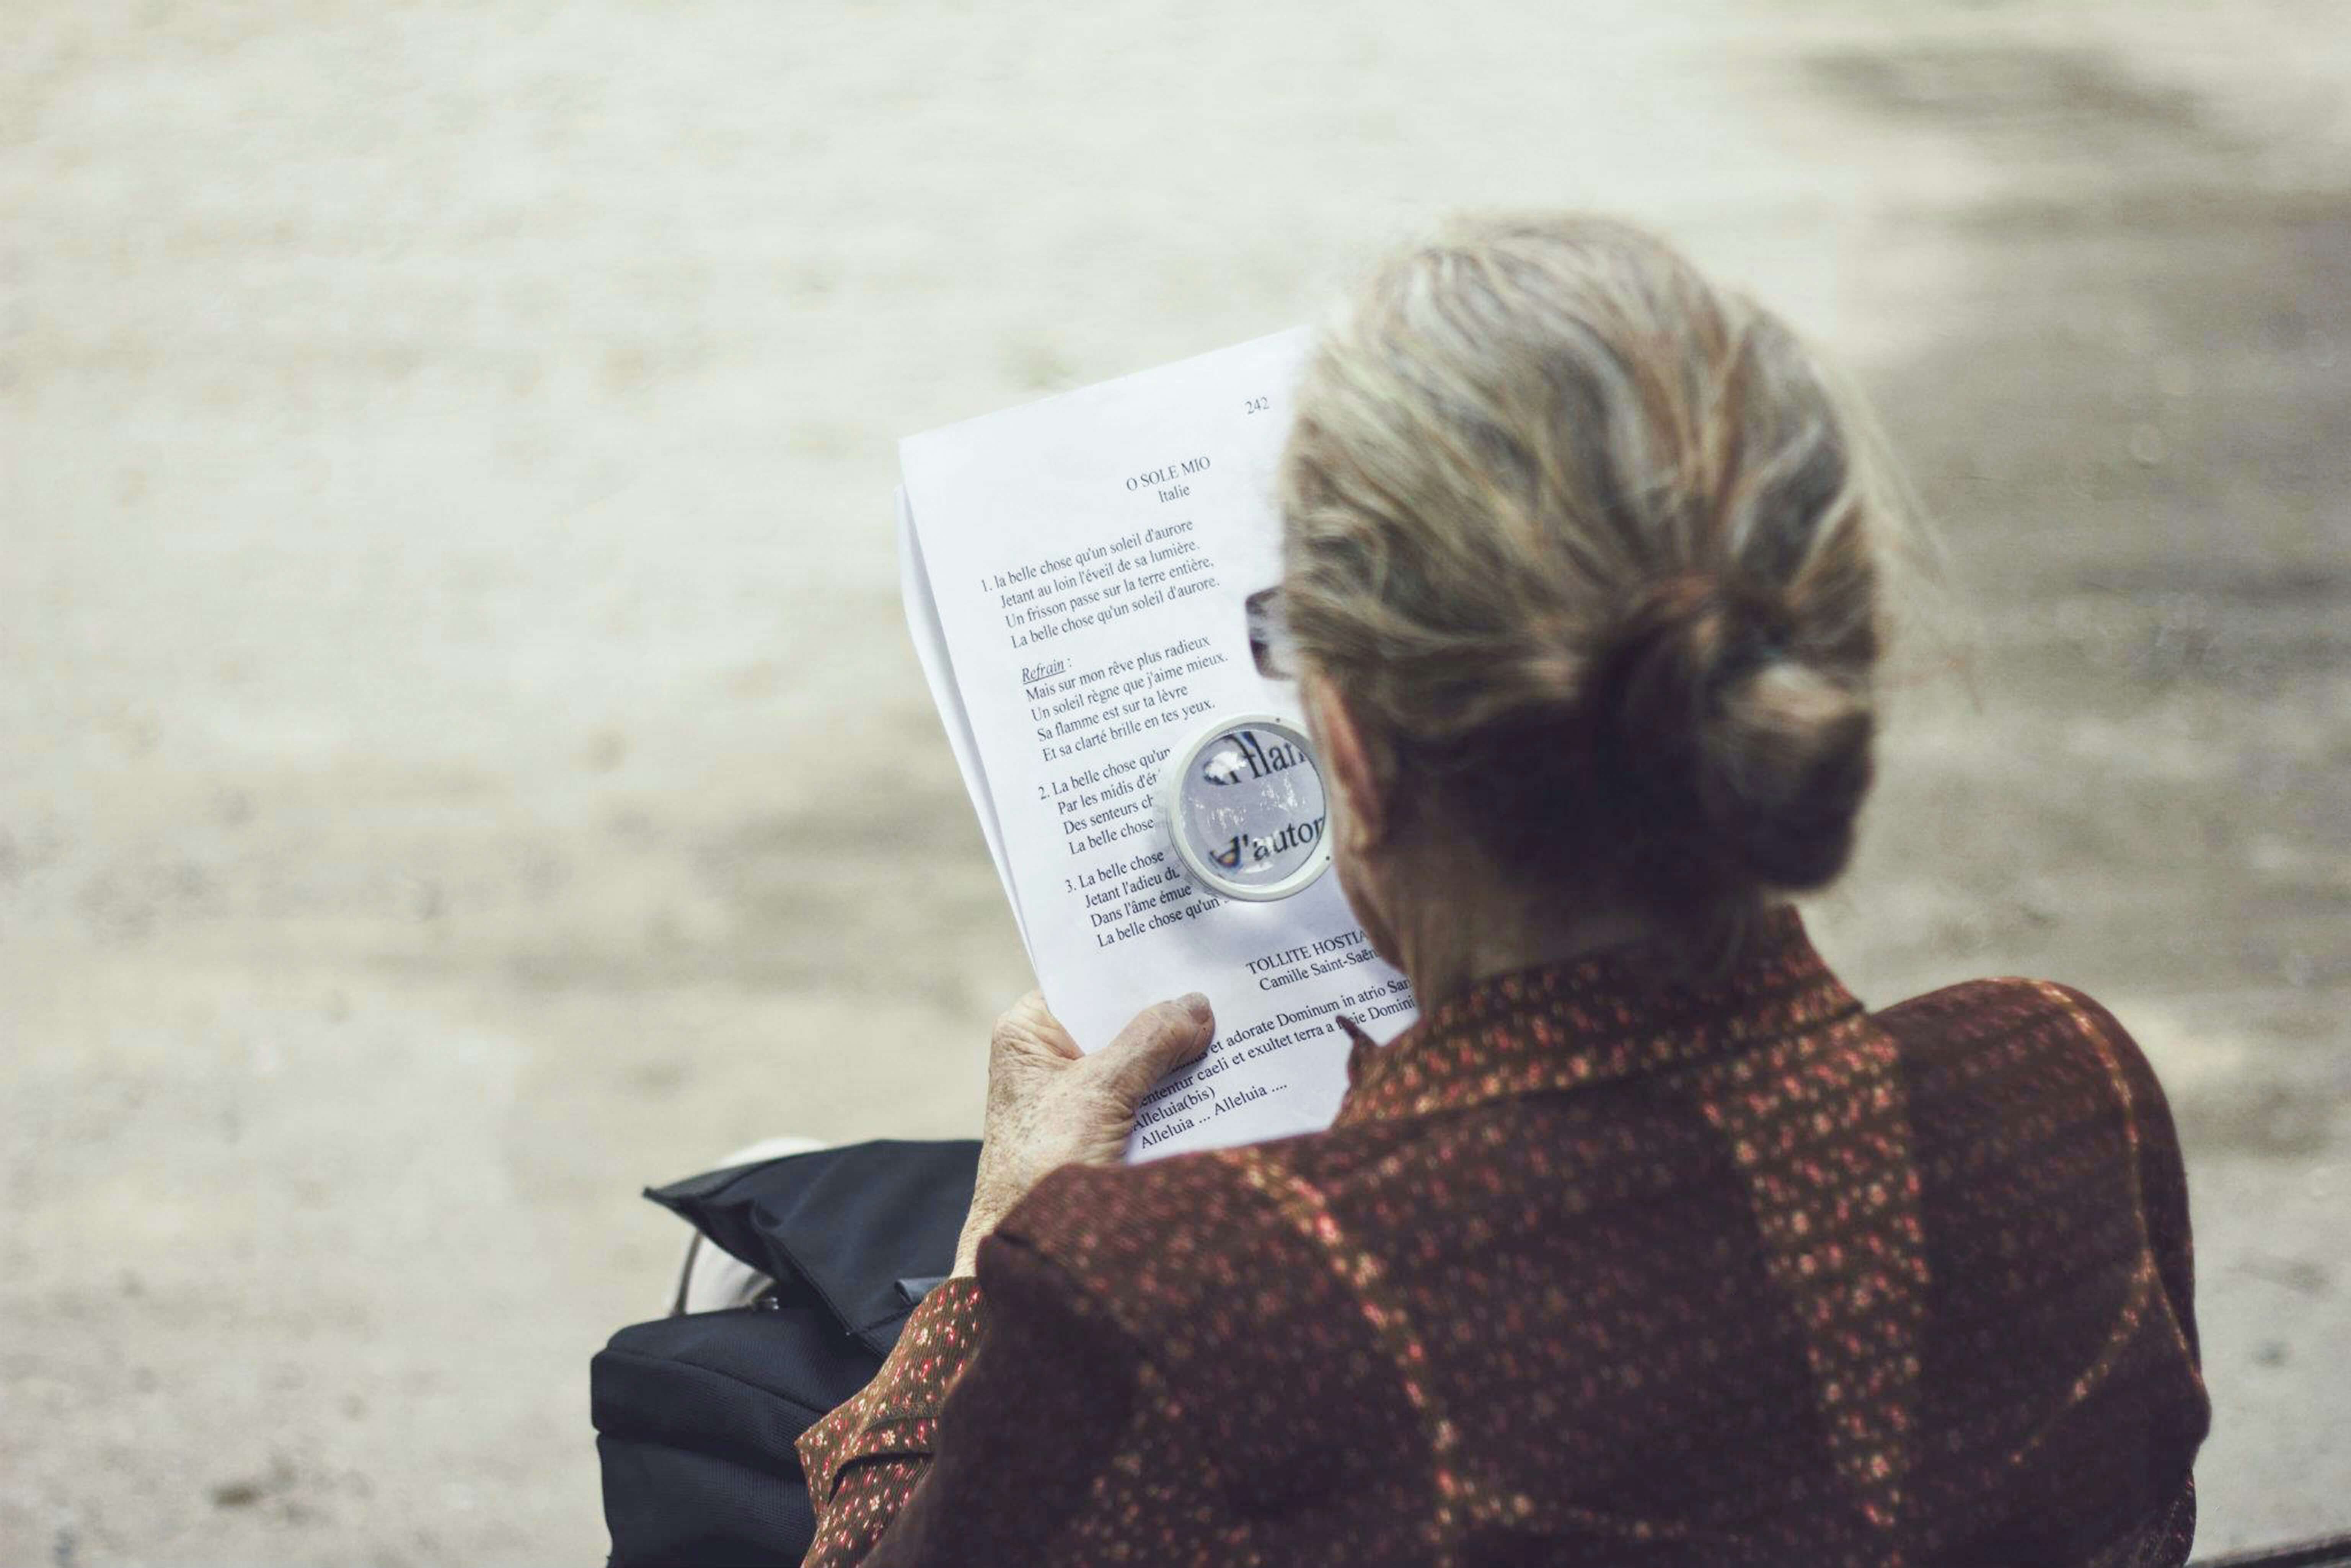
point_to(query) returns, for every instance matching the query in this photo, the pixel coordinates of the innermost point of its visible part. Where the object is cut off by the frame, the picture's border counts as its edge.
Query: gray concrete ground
(460, 758)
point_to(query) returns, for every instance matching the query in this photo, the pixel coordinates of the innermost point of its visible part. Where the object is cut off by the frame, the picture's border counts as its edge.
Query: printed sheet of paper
(938, 669)
(1074, 574)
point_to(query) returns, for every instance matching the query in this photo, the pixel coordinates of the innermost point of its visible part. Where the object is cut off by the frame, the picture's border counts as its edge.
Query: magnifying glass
(1243, 807)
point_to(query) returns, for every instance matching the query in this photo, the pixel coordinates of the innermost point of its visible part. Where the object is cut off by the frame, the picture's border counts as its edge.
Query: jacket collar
(1598, 1018)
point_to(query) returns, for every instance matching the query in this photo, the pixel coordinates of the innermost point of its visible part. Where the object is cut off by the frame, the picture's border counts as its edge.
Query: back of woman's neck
(1448, 949)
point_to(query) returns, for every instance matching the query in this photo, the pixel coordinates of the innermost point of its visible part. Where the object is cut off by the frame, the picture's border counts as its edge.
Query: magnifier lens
(1245, 808)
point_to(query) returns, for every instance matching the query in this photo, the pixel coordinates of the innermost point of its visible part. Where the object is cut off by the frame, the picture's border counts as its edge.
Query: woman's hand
(1050, 1105)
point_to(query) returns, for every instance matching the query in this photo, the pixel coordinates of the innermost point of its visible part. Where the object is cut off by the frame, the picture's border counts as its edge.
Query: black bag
(695, 1416)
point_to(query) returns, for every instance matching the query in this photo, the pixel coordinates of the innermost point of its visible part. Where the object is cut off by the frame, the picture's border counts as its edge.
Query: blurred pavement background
(460, 756)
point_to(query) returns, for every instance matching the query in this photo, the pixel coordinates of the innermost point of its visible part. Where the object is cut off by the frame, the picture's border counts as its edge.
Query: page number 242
(1256, 405)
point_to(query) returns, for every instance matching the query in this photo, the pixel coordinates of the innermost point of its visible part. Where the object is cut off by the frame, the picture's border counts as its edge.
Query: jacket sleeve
(864, 1458)
(2162, 1173)
(2165, 1539)
(1011, 1424)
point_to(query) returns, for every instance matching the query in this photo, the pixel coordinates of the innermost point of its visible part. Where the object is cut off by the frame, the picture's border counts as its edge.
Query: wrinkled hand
(1050, 1105)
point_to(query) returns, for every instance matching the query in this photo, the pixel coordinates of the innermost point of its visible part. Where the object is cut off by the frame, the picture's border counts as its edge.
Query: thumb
(1162, 1037)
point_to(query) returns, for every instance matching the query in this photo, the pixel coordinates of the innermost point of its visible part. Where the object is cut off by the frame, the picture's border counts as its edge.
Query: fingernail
(1197, 1004)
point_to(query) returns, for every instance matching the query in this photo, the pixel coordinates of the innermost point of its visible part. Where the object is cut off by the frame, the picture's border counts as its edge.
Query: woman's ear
(1350, 763)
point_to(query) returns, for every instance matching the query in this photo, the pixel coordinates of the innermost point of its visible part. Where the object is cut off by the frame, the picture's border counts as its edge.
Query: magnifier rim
(1171, 786)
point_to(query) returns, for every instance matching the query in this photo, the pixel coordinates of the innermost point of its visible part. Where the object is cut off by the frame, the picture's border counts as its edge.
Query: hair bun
(1593, 547)
(1724, 740)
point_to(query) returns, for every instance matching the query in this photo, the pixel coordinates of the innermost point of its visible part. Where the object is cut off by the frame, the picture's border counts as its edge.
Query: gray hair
(1594, 547)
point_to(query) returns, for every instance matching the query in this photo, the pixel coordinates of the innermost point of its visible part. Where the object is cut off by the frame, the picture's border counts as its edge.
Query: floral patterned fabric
(1591, 1268)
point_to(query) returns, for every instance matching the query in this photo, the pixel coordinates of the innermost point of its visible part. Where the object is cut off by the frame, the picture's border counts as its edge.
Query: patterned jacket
(1589, 1269)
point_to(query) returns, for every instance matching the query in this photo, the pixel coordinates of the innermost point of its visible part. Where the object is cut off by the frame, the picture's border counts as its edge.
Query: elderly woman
(1649, 1243)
